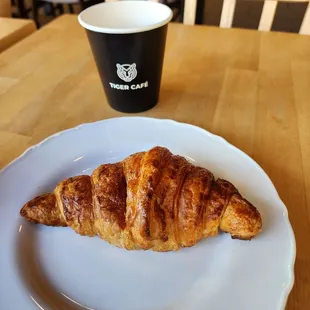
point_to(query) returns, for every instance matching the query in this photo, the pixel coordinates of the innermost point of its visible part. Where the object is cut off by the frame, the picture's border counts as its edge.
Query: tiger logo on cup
(126, 72)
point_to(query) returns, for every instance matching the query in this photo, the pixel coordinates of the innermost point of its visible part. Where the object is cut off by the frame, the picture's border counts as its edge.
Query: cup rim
(110, 30)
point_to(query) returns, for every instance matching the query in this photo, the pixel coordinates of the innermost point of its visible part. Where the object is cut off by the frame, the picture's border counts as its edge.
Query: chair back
(266, 18)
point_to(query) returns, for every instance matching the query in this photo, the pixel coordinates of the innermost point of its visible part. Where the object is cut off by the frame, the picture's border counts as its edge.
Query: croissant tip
(23, 211)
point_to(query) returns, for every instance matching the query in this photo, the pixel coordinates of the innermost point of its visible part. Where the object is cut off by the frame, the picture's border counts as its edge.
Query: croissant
(151, 200)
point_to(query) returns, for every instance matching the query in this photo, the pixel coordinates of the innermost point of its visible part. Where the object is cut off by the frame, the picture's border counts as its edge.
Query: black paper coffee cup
(128, 41)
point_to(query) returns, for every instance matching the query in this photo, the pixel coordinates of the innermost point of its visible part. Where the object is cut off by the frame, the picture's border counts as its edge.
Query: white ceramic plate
(54, 268)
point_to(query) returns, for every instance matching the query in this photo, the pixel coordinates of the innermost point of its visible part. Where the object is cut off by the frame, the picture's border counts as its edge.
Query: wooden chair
(228, 10)
(5, 8)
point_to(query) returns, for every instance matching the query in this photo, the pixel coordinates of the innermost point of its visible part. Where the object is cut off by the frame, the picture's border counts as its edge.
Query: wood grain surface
(252, 88)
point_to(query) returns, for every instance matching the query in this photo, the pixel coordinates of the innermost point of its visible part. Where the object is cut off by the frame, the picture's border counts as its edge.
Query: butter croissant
(151, 200)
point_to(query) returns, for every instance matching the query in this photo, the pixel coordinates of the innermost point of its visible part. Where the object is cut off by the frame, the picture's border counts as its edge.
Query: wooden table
(250, 87)
(13, 30)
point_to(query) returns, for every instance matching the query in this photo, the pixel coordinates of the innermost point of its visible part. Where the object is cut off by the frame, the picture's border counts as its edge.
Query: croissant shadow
(41, 290)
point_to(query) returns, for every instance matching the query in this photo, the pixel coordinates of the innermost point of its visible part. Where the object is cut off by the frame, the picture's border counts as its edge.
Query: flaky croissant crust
(151, 200)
